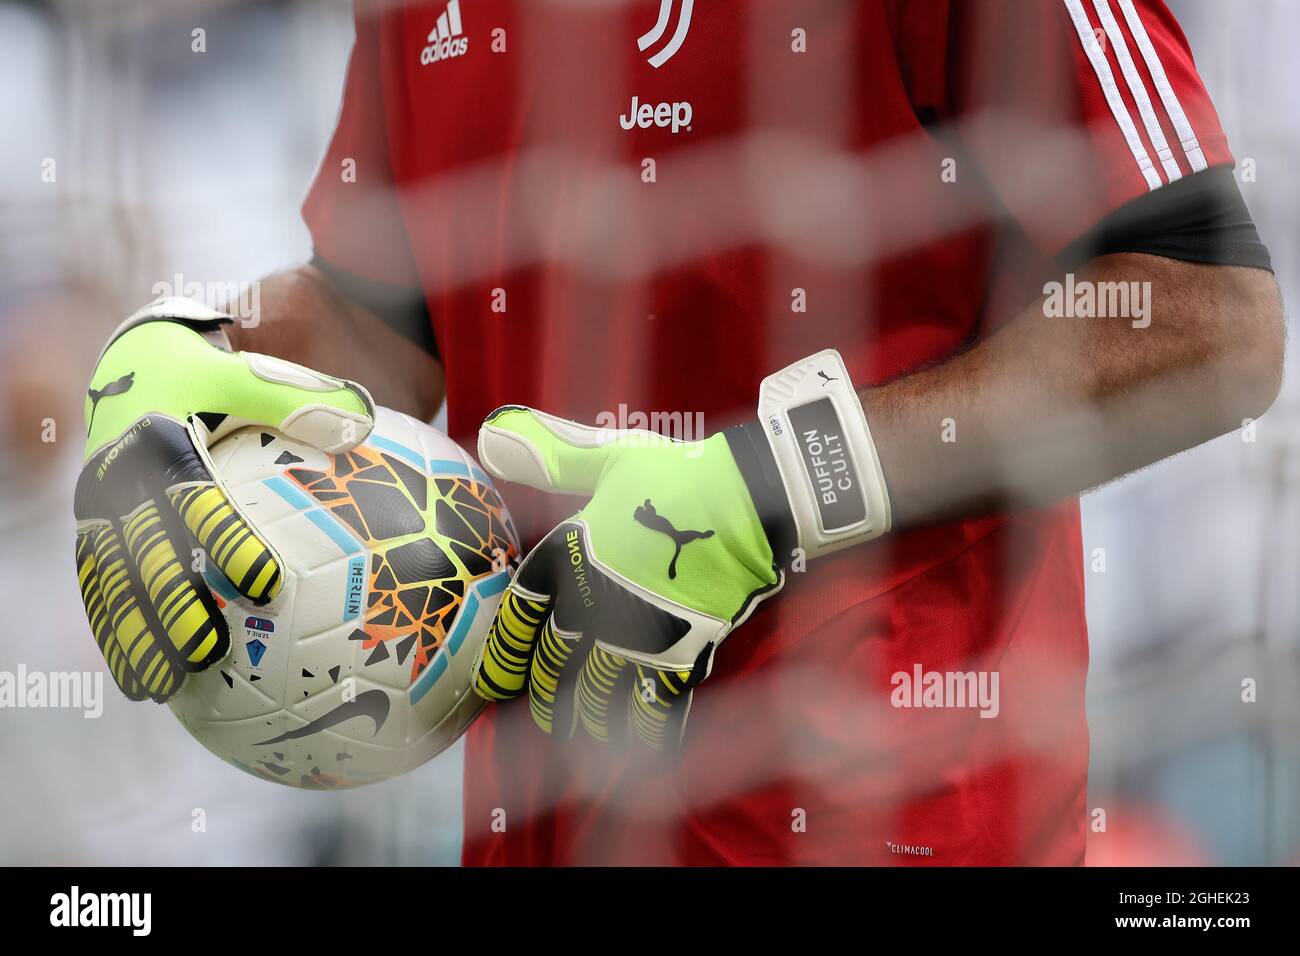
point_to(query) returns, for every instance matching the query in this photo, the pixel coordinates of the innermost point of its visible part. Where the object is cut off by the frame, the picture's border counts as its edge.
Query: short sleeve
(1067, 109)
(353, 210)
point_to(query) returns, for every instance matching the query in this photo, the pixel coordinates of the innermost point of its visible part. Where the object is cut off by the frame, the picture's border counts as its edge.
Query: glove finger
(230, 541)
(604, 679)
(659, 704)
(92, 596)
(502, 671)
(539, 450)
(552, 680)
(133, 636)
(230, 389)
(332, 414)
(194, 629)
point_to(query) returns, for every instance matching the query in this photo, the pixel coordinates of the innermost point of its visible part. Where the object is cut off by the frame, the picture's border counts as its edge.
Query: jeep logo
(674, 116)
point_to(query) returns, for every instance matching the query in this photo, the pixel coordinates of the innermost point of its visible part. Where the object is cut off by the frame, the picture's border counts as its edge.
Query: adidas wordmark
(446, 39)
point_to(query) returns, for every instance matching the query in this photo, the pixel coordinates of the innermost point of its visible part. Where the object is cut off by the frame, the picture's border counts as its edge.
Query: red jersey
(643, 208)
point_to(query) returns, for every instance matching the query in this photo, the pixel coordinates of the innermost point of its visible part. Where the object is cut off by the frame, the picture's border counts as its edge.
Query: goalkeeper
(702, 658)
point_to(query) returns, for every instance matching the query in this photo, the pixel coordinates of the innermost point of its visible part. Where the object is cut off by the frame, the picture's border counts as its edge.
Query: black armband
(1199, 218)
(402, 309)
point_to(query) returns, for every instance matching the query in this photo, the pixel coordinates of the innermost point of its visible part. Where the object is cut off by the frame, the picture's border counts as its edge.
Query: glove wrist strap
(822, 448)
(757, 464)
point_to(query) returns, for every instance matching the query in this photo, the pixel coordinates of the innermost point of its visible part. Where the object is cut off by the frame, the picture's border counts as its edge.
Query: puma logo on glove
(115, 387)
(647, 516)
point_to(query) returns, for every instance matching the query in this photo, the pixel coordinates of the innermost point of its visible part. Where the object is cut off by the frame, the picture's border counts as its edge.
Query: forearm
(304, 319)
(1049, 407)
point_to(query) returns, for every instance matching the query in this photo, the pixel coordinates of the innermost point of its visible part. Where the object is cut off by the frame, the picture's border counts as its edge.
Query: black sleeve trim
(1199, 218)
(403, 310)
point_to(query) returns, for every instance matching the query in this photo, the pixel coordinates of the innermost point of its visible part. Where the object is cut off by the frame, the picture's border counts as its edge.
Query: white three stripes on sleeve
(1186, 135)
(1137, 89)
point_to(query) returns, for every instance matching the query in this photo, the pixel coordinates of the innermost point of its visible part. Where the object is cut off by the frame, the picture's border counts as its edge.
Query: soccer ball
(394, 556)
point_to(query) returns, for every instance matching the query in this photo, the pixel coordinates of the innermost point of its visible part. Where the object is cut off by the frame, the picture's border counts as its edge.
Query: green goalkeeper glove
(613, 619)
(165, 389)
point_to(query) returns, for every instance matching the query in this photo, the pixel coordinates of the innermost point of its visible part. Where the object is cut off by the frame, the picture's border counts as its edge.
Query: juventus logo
(661, 27)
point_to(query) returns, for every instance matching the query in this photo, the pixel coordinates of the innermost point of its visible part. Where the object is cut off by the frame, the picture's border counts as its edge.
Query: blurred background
(167, 162)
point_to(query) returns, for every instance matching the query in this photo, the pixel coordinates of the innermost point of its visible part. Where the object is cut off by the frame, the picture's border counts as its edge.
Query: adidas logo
(445, 39)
